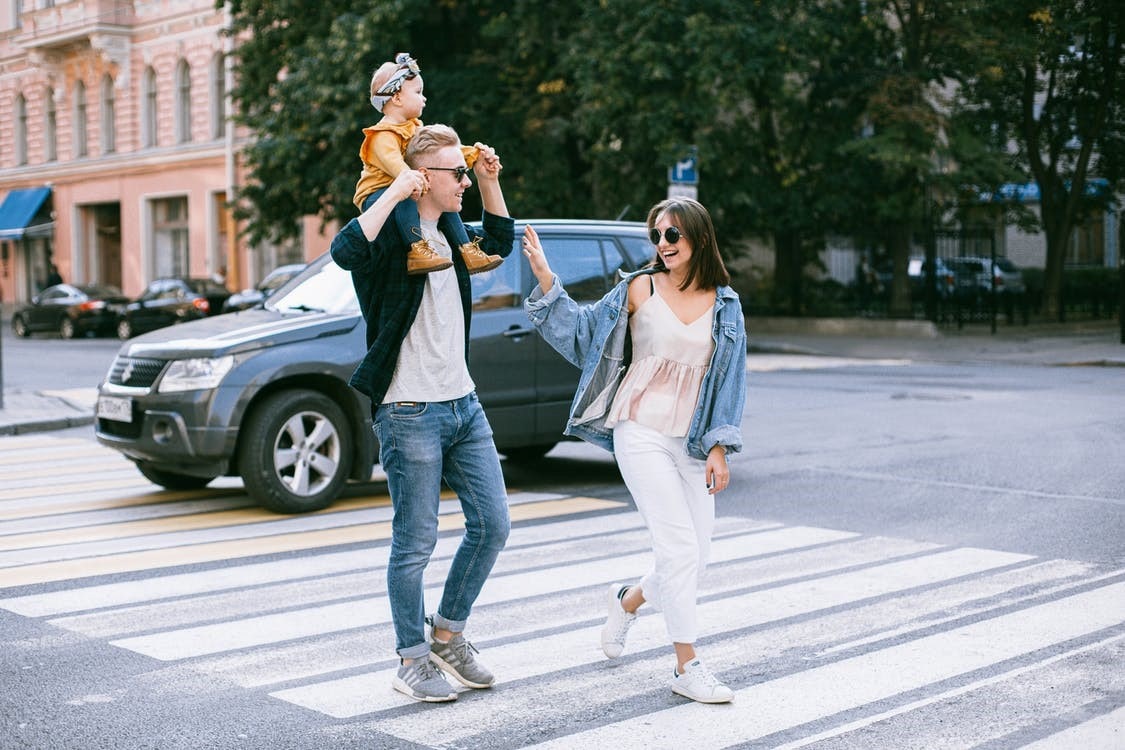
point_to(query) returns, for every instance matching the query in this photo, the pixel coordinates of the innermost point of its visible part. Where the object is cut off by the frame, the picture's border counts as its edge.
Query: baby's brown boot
(421, 258)
(476, 260)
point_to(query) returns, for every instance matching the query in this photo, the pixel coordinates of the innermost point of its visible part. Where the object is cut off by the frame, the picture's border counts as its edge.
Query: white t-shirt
(431, 363)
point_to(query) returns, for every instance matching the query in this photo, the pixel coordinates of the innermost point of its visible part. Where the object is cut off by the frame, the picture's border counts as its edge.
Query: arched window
(79, 119)
(109, 116)
(218, 96)
(183, 102)
(21, 130)
(50, 128)
(148, 108)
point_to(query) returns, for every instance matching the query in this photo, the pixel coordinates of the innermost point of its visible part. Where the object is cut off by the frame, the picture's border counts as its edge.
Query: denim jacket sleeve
(718, 419)
(571, 329)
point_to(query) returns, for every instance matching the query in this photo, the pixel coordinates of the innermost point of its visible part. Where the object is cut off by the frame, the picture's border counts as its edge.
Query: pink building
(116, 152)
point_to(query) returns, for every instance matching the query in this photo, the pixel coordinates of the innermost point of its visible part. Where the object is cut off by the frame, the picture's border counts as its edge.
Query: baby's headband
(407, 69)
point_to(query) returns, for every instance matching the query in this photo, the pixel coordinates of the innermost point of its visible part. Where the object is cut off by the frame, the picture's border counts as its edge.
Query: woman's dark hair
(706, 267)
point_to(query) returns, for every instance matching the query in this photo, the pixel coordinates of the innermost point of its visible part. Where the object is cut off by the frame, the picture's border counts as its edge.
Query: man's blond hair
(427, 140)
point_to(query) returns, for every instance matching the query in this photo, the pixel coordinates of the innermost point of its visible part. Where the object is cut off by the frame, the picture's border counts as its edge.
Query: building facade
(114, 119)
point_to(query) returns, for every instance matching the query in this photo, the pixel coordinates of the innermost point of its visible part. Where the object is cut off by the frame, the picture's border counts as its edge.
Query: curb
(45, 425)
(918, 329)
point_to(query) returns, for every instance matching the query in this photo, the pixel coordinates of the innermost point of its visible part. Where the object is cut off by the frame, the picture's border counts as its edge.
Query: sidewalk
(775, 343)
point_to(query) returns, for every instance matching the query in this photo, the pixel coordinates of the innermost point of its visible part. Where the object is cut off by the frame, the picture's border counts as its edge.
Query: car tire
(528, 453)
(66, 328)
(124, 329)
(19, 327)
(295, 451)
(170, 480)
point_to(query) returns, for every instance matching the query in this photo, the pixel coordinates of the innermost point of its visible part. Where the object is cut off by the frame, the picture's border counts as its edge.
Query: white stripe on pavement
(775, 705)
(257, 631)
(360, 694)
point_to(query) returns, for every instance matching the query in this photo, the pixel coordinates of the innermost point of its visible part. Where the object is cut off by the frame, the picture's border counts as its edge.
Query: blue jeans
(421, 444)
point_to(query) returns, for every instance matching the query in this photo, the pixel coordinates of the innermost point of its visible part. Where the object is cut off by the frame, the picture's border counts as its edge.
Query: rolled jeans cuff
(454, 626)
(421, 651)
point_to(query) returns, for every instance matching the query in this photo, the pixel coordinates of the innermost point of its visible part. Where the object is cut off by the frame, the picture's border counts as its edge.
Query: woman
(663, 384)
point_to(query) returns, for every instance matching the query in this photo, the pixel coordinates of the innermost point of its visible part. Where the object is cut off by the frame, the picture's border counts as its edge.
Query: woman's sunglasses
(671, 235)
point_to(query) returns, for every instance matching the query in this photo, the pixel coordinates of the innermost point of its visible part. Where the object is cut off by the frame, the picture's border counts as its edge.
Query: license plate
(116, 408)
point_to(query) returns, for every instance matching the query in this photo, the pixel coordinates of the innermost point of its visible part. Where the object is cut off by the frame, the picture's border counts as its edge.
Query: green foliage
(809, 117)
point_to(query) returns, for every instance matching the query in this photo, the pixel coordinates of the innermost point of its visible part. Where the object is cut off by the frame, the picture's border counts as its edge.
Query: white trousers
(669, 489)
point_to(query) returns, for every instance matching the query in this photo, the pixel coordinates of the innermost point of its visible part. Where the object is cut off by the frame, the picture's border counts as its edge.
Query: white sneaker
(699, 684)
(617, 624)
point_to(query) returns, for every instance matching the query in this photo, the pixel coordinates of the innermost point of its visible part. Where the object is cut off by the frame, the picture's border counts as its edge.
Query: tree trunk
(898, 245)
(788, 272)
(1057, 226)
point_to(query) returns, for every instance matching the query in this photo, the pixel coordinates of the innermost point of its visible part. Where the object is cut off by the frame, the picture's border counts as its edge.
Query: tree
(1052, 83)
(302, 78)
(764, 92)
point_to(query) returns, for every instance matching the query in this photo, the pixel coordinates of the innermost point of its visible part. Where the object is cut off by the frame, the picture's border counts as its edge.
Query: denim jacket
(595, 338)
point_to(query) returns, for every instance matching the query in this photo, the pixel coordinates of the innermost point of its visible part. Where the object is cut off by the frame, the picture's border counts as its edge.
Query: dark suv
(263, 393)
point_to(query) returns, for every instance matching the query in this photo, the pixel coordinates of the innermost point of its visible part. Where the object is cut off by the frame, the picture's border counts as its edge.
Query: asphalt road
(909, 556)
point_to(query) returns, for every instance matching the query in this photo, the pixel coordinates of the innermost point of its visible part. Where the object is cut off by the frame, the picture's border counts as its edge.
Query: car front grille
(135, 372)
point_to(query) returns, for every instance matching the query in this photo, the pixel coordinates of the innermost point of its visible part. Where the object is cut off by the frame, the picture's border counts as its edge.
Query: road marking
(792, 700)
(127, 562)
(211, 639)
(574, 647)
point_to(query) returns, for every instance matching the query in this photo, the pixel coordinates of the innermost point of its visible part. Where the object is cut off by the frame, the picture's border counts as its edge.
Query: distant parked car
(273, 281)
(944, 279)
(70, 311)
(977, 276)
(165, 302)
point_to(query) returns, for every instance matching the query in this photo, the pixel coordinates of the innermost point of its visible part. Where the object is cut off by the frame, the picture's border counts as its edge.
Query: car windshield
(1006, 265)
(328, 289)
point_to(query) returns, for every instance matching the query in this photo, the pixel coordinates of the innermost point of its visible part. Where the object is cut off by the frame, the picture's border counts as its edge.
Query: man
(427, 417)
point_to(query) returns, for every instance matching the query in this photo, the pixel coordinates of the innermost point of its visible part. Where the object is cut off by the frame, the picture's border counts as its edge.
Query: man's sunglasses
(458, 172)
(671, 235)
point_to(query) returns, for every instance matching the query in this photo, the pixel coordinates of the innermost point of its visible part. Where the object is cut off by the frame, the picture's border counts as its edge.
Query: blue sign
(685, 171)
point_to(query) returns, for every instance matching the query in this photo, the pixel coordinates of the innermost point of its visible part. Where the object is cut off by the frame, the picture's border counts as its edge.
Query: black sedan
(70, 311)
(165, 302)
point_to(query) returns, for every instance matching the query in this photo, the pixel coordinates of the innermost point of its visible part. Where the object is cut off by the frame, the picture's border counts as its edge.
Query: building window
(170, 237)
(18, 12)
(50, 128)
(218, 96)
(183, 102)
(1087, 242)
(148, 108)
(80, 119)
(109, 116)
(21, 130)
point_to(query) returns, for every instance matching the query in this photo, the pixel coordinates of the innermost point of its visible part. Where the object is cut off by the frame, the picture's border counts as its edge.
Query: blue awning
(19, 209)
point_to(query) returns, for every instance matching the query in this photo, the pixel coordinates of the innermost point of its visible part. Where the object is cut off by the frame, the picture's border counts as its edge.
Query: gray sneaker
(423, 681)
(456, 658)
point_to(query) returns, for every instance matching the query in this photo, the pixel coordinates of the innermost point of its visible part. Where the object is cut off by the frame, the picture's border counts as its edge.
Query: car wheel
(527, 453)
(295, 451)
(19, 327)
(170, 480)
(66, 328)
(124, 329)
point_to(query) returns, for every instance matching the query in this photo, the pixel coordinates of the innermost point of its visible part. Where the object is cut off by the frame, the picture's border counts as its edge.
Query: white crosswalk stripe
(830, 638)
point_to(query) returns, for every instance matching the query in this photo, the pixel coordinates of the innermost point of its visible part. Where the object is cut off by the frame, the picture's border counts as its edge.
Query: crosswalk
(830, 638)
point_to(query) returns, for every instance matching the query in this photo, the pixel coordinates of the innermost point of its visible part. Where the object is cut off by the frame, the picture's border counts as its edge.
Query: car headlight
(195, 374)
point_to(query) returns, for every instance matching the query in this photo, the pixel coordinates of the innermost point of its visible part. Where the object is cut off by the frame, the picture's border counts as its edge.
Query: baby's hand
(488, 163)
